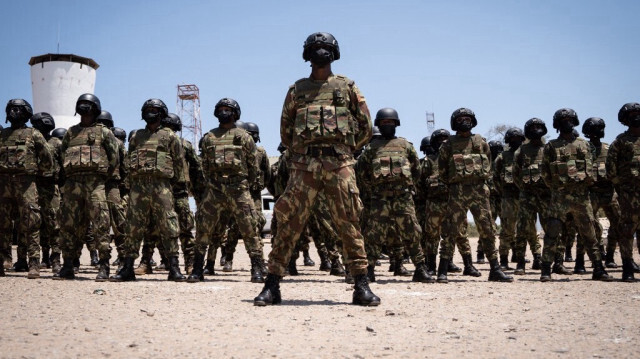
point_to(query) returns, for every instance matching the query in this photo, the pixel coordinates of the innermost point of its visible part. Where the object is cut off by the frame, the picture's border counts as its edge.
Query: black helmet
(386, 113)
(511, 133)
(565, 113)
(105, 118)
(437, 137)
(229, 102)
(376, 131)
(254, 130)
(119, 133)
(43, 122)
(593, 127)
(156, 103)
(18, 102)
(241, 124)
(627, 109)
(425, 143)
(528, 128)
(323, 38)
(93, 99)
(173, 122)
(461, 112)
(495, 147)
(131, 133)
(59, 133)
(281, 148)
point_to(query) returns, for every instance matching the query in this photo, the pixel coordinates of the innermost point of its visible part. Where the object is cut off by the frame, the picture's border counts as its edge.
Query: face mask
(566, 126)
(464, 125)
(597, 133)
(634, 121)
(536, 133)
(225, 116)
(151, 117)
(255, 137)
(514, 144)
(321, 57)
(84, 109)
(387, 131)
(17, 116)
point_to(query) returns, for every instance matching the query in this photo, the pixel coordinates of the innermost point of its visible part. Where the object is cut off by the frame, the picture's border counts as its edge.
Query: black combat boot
(537, 263)
(608, 260)
(504, 262)
(392, 264)
(270, 292)
(174, 270)
(308, 262)
(336, 268)
(558, 266)
(103, 271)
(545, 272)
(421, 274)
(520, 267)
(66, 272)
(126, 273)
(513, 257)
(627, 270)
(2, 274)
(431, 264)
(34, 268)
(567, 254)
(443, 267)
(228, 263)
(362, 294)
(578, 268)
(197, 274)
(400, 270)
(371, 273)
(46, 260)
(469, 269)
(292, 268)
(453, 268)
(256, 270)
(21, 265)
(208, 268)
(325, 263)
(94, 258)
(55, 263)
(480, 256)
(348, 278)
(496, 274)
(599, 273)
(76, 265)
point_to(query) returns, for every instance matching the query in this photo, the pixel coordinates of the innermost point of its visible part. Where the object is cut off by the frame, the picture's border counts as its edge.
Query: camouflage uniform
(504, 180)
(24, 153)
(195, 183)
(49, 200)
(117, 208)
(90, 158)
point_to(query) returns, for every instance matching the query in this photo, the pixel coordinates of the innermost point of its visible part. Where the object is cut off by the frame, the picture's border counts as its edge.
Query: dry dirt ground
(571, 317)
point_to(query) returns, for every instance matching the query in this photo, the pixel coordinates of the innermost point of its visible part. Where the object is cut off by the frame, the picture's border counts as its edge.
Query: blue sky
(507, 60)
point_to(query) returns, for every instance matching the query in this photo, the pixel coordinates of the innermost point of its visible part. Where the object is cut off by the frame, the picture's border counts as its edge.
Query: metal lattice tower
(431, 121)
(188, 104)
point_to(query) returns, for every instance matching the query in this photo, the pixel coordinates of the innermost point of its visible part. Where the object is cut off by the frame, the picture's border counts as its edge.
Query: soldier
(504, 181)
(90, 158)
(24, 153)
(49, 194)
(464, 164)
(420, 197)
(623, 169)
(195, 184)
(156, 176)
(390, 168)
(324, 120)
(567, 168)
(496, 148)
(229, 163)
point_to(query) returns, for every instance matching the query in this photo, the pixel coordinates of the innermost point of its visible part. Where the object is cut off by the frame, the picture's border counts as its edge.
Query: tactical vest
(223, 154)
(18, 152)
(390, 163)
(468, 161)
(506, 174)
(150, 154)
(531, 171)
(435, 187)
(629, 162)
(599, 164)
(572, 163)
(85, 152)
(322, 113)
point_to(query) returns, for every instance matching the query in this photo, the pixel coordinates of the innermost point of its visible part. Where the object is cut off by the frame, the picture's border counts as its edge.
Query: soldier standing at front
(156, 175)
(465, 166)
(567, 170)
(90, 158)
(324, 120)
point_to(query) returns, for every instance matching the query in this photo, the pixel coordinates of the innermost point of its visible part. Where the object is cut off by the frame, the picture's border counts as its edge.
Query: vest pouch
(164, 163)
(4, 158)
(508, 174)
(308, 122)
(72, 159)
(601, 170)
(562, 169)
(381, 167)
(98, 159)
(535, 173)
(233, 157)
(329, 119)
(344, 123)
(401, 167)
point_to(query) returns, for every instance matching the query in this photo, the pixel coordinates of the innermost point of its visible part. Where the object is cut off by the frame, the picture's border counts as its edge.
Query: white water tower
(57, 80)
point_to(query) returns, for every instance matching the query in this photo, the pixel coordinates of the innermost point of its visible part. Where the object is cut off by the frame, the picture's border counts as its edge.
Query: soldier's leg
(612, 211)
(118, 219)
(434, 217)
(187, 223)
(138, 219)
(7, 208)
(74, 224)
(629, 201)
(208, 217)
(242, 208)
(508, 222)
(525, 229)
(374, 233)
(584, 221)
(408, 229)
(231, 242)
(167, 228)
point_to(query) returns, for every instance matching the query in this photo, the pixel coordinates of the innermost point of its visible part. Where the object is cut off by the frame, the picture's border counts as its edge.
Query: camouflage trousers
(395, 223)
(509, 209)
(187, 223)
(49, 200)
(564, 205)
(151, 214)
(19, 207)
(531, 206)
(608, 202)
(234, 233)
(84, 207)
(437, 224)
(629, 200)
(462, 198)
(321, 229)
(294, 207)
(221, 198)
(118, 217)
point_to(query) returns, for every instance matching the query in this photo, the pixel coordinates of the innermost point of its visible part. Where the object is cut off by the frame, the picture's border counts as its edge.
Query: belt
(226, 179)
(322, 151)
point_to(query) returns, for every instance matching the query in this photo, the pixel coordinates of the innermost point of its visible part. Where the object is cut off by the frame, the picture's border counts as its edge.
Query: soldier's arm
(196, 175)
(250, 157)
(360, 112)
(44, 153)
(266, 169)
(178, 182)
(111, 148)
(363, 169)
(497, 169)
(287, 119)
(517, 169)
(415, 164)
(612, 162)
(443, 163)
(546, 164)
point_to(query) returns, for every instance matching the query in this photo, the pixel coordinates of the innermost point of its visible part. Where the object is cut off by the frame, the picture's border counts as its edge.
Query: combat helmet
(528, 128)
(438, 137)
(105, 118)
(119, 133)
(386, 113)
(18, 102)
(565, 113)
(96, 108)
(228, 102)
(43, 122)
(461, 112)
(322, 38)
(173, 122)
(59, 133)
(626, 110)
(154, 103)
(593, 127)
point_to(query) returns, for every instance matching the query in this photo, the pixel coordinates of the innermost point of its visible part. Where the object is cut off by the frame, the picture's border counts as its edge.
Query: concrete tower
(57, 80)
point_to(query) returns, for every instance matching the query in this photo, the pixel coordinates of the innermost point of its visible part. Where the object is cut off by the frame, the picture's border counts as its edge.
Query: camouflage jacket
(623, 161)
(194, 175)
(464, 160)
(90, 150)
(279, 176)
(228, 153)
(602, 182)
(24, 151)
(567, 165)
(263, 176)
(389, 165)
(527, 168)
(430, 182)
(503, 173)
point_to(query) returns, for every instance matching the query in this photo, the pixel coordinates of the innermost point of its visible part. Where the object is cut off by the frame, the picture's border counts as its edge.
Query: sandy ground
(572, 317)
